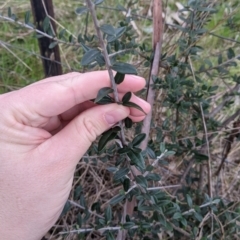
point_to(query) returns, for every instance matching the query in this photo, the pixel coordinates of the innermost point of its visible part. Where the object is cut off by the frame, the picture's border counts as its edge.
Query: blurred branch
(227, 97)
(224, 38)
(210, 137)
(19, 59)
(209, 155)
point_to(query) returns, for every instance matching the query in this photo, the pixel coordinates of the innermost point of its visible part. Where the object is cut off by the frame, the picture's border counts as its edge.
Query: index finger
(55, 97)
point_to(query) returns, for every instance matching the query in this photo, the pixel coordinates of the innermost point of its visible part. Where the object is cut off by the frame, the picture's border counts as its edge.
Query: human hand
(45, 128)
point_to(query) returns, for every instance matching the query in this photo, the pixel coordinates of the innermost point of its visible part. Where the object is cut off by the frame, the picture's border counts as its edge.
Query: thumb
(72, 142)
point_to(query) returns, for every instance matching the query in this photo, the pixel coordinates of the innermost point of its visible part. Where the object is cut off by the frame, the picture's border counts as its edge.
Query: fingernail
(115, 116)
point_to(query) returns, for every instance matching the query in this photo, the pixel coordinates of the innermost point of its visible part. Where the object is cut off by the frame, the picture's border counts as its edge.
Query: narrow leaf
(230, 53)
(123, 150)
(189, 201)
(126, 184)
(46, 24)
(127, 97)
(138, 139)
(128, 225)
(97, 2)
(136, 159)
(108, 214)
(119, 77)
(124, 68)
(128, 122)
(105, 100)
(141, 181)
(90, 56)
(102, 93)
(106, 137)
(120, 173)
(27, 17)
(116, 199)
(81, 10)
(136, 150)
(9, 12)
(53, 45)
(134, 105)
(108, 29)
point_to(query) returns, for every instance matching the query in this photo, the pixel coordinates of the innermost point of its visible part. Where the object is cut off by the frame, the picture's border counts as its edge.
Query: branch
(157, 46)
(209, 155)
(91, 7)
(83, 208)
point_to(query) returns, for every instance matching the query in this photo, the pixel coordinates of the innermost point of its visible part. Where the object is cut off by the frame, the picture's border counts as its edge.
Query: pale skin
(45, 129)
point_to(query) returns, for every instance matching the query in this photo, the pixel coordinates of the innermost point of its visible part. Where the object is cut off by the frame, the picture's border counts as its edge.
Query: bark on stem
(92, 11)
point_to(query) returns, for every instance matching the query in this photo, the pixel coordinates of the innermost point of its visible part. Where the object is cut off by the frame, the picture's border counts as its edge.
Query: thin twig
(83, 208)
(209, 155)
(92, 11)
(20, 60)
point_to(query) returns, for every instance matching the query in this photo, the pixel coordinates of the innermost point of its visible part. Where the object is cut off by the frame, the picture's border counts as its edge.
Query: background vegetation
(182, 193)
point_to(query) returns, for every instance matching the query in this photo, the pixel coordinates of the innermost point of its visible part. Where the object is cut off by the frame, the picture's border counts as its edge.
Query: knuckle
(91, 130)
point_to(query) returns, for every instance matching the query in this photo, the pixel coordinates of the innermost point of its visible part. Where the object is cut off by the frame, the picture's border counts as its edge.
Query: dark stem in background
(157, 47)
(51, 68)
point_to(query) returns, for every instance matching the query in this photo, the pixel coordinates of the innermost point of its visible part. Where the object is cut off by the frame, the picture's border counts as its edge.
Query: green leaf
(153, 177)
(128, 225)
(66, 208)
(220, 59)
(110, 236)
(169, 153)
(118, 33)
(79, 220)
(96, 207)
(141, 180)
(230, 53)
(97, 2)
(108, 214)
(61, 33)
(134, 105)
(119, 77)
(105, 100)
(106, 137)
(121, 173)
(102, 93)
(46, 24)
(81, 10)
(9, 12)
(199, 156)
(121, 8)
(123, 150)
(138, 139)
(136, 159)
(127, 97)
(136, 150)
(85, 47)
(108, 29)
(198, 216)
(27, 17)
(124, 68)
(177, 215)
(189, 201)
(53, 45)
(90, 56)
(117, 199)
(162, 147)
(184, 222)
(128, 122)
(126, 184)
